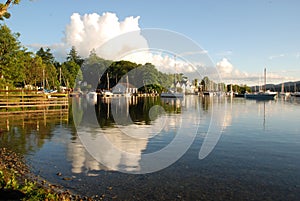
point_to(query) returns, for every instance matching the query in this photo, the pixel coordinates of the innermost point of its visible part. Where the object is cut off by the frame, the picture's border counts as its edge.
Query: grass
(14, 184)
(10, 188)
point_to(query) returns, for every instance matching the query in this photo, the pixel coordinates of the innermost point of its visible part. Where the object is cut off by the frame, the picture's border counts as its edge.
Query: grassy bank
(17, 183)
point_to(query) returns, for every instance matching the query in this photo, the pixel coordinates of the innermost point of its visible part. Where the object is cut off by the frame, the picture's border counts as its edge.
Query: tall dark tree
(46, 55)
(206, 84)
(71, 68)
(93, 68)
(73, 56)
(115, 72)
(71, 72)
(50, 73)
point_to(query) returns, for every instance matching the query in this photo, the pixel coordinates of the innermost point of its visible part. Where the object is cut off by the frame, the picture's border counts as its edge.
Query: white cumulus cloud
(229, 73)
(115, 39)
(225, 67)
(91, 31)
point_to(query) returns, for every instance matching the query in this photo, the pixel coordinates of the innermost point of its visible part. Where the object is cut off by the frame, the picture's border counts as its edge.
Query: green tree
(93, 68)
(118, 70)
(4, 7)
(46, 55)
(205, 82)
(73, 56)
(34, 71)
(13, 58)
(195, 82)
(71, 71)
(50, 73)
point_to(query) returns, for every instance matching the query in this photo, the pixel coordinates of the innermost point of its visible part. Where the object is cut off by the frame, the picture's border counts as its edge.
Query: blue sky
(245, 36)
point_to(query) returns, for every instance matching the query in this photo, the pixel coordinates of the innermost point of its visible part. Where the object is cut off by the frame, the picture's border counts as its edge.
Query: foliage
(13, 58)
(74, 57)
(93, 68)
(241, 89)
(46, 56)
(2, 180)
(30, 189)
(33, 74)
(144, 77)
(70, 70)
(205, 82)
(4, 7)
(19, 67)
(49, 72)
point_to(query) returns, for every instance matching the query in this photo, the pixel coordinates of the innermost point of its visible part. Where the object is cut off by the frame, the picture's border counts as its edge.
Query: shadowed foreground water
(256, 157)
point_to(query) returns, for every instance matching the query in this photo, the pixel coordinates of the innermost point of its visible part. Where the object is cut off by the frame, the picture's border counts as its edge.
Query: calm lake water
(253, 152)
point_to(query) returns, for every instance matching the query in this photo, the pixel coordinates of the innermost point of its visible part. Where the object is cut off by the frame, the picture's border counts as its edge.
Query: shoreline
(17, 182)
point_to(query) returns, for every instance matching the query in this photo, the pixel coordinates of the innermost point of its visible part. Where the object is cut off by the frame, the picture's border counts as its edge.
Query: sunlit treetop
(4, 8)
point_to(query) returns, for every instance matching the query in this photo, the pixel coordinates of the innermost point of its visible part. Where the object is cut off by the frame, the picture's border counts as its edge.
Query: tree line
(104, 75)
(20, 67)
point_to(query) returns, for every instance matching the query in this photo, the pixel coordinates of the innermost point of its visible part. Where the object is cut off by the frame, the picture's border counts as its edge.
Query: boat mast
(175, 75)
(265, 79)
(60, 78)
(107, 78)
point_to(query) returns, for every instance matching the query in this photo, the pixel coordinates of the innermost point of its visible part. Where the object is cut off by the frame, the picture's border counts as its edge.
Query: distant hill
(288, 87)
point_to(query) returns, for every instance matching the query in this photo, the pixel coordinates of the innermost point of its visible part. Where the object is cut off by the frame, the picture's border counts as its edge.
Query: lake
(149, 148)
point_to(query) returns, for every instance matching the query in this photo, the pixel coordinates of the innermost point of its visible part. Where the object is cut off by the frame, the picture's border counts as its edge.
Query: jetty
(19, 101)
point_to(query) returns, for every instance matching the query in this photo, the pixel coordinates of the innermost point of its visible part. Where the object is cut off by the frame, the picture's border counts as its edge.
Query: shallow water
(250, 149)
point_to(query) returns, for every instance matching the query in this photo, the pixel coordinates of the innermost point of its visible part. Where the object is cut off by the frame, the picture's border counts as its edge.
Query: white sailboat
(107, 93)
(296, 93)
(283, 93)
(173, 93)
(92, 97)
(262, 95)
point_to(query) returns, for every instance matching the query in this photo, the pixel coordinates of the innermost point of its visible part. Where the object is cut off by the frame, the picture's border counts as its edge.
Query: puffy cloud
(91, 31)
(119, 40)
(230, 74)
(225, 67)
(164, 62)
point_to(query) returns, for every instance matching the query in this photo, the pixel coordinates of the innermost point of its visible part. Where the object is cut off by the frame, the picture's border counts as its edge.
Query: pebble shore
(13, 165)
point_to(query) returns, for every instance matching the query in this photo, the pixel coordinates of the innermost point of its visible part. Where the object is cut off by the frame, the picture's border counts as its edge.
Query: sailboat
(283, 93)
(171, 93)
(296, 93)
(107, 93)
(122, 89)
(262, 95)
(92, 97)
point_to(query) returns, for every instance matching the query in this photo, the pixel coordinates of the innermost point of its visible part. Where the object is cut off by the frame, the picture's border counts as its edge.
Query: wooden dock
(17, 101)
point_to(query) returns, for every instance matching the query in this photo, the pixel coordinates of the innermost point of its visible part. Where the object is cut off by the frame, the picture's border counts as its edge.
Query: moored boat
(172, 95)
(91, 97)
(106, 93)
(296, 94)
(208, 93)
(262, 95)
(268, 95)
